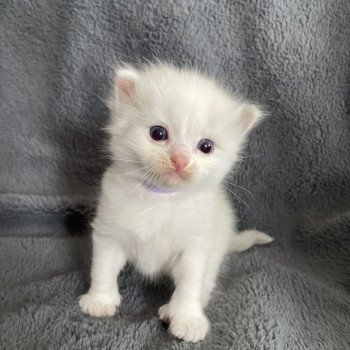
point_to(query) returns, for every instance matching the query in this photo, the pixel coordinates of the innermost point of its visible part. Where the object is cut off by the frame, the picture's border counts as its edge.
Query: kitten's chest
(152, 216)
(156, 233)
(152, 254)
(156, 229)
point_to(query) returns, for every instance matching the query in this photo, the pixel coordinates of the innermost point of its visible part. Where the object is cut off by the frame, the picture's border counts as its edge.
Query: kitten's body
(182, 224)
(158, 227)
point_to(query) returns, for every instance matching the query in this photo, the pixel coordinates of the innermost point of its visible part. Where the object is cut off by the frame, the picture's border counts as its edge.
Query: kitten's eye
(158, 133)
(205, 146)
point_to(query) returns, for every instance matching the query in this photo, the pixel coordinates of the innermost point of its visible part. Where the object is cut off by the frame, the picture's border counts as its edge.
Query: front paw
(164, 313)
(98, 306)
(191, 328)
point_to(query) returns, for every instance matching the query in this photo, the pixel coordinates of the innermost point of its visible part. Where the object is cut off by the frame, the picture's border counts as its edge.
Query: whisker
(134, 171)
(148, 173)
(126, 160)
(239, 198)
(230, 183)
(148, 179)
(142, 180)
(114, 146)
(243, 157)
(145, 177)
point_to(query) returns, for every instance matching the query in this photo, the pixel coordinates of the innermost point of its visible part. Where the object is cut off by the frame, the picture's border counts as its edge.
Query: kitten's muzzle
(179, 160)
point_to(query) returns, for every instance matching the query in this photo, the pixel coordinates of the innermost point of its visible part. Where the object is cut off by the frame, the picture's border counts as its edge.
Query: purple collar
(153, 188)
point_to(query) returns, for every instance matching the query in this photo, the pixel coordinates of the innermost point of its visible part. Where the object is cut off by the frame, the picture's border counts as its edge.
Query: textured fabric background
(56, 66)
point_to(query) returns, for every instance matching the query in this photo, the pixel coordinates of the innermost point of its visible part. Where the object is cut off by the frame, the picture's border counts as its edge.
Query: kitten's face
(175, 129)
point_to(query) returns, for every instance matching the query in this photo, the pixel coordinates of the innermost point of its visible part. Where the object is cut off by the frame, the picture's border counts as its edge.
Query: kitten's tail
(244, 240)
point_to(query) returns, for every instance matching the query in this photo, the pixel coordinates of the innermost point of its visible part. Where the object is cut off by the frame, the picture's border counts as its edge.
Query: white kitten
(175, 135)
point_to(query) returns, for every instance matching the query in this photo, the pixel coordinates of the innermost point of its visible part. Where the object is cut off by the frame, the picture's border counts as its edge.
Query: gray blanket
(57, 60)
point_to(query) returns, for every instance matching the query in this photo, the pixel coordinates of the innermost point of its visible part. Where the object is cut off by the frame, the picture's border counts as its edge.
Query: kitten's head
(175, 128)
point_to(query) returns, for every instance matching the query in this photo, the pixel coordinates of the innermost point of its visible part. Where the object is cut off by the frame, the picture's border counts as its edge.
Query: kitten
(175, 135)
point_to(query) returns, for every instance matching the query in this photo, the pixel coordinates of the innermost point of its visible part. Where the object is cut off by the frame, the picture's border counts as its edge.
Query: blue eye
(158, 133)
(205, 146)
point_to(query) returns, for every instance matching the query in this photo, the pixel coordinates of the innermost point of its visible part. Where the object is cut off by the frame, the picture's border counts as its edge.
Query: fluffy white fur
(185, 233)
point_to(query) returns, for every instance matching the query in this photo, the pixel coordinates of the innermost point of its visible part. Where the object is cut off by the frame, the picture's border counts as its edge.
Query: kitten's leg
(210, 279)
(239, 242)
(244, 240)
(108, 259)
(184, 311)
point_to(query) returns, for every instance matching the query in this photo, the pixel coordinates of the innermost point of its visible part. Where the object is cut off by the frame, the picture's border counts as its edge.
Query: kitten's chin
(172, 180)
(171, 183)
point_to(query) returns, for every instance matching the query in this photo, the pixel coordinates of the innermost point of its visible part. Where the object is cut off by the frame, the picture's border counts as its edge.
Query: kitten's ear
(124, 83)
(250, 115)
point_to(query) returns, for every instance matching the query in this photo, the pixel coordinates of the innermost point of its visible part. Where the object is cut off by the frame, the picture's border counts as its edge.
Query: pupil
(158, 133)
(205, 146)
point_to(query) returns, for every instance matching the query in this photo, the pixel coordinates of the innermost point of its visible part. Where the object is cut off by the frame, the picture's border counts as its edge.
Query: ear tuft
(251, 115)
(124, 83)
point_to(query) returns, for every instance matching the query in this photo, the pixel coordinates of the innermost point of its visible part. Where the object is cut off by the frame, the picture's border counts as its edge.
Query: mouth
(166, 182)
(179, 175)
(165, 177)
(172, 178)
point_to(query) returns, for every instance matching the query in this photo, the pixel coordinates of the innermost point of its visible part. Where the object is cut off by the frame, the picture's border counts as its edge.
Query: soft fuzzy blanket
(57, 59)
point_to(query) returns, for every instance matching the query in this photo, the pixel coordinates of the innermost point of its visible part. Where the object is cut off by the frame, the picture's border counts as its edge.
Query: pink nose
(179, 160)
